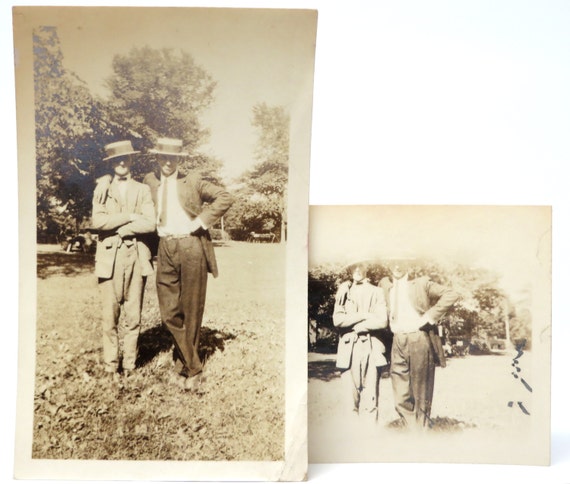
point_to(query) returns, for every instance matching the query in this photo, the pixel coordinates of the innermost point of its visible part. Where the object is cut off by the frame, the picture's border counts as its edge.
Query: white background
(417, 102)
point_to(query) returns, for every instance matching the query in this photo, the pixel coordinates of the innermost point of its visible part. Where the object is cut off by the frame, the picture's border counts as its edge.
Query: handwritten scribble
(520, 405)
(528, 387)
(517, 370)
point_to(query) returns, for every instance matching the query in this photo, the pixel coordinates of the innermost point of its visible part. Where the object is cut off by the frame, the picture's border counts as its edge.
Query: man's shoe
(112, 377)
(177, 380)
(193, 383)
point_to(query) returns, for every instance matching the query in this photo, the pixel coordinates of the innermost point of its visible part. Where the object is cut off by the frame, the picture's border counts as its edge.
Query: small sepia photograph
(429, 334)
(163, 161)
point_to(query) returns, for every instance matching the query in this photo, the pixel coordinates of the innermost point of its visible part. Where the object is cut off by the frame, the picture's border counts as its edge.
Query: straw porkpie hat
(119, 148)
(168, 146)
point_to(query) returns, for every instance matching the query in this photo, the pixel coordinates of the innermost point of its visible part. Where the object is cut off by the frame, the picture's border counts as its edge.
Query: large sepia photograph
(163, 162)
(429, 334)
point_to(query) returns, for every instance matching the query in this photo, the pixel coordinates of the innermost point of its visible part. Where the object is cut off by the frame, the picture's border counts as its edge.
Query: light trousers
(361, 381)
(124, 289)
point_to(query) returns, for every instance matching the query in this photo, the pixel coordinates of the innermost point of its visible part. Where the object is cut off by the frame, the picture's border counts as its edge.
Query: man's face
(399, 269)
(122, 165)
(168, 164)
(358, 273)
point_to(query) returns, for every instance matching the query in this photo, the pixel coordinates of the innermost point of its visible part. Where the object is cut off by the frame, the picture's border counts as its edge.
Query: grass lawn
(471, 420)
(78, 414)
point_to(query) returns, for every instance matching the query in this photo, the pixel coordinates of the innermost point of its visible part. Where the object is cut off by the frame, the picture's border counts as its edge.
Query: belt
(176, 236)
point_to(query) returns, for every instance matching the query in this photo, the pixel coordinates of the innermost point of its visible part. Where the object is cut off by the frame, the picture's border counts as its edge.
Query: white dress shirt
(177, 220)
(404, 318)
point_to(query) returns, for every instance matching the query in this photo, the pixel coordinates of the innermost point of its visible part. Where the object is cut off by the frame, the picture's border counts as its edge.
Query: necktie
(162, 219)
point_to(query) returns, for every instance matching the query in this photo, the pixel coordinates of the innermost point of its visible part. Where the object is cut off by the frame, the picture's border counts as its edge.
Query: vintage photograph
(163, 161)
(429, 334)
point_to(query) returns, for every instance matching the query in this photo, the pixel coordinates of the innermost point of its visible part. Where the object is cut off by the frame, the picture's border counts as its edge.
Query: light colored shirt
(404, 318)
(122, 186)
(177, 220)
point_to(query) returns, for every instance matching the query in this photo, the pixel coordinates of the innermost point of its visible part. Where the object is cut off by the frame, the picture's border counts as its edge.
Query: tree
(261, 201)
(161, 93)
(71, 126)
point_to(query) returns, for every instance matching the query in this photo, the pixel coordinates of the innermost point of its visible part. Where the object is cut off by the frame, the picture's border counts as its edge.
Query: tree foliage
(162, 93)
(154, 93)
(261, 200)
(70, 126)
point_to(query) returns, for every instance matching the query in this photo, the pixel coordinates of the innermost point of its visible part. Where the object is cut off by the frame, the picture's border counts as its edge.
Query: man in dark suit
(415, 307)
(186, 208)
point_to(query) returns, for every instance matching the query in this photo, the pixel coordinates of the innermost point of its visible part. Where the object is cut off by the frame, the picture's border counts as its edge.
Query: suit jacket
(112, 220)
(429, 299)
(368, 300)
(198, 198)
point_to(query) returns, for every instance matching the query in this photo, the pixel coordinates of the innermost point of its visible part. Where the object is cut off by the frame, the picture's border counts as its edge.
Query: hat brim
(364, 262)
(121, 154)
(168, 153)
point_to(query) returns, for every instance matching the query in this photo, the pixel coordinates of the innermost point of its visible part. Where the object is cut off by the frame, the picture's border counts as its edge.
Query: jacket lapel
(184, 197)
(115, 195)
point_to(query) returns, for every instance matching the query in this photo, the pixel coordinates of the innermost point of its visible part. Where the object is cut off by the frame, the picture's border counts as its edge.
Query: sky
(513, 242)
(253, 58)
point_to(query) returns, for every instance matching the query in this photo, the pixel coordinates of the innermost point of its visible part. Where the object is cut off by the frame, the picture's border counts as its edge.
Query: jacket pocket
(344, 351)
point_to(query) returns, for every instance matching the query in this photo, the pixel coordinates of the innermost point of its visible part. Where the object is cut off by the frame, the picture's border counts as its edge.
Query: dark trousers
(181, 279)
(412, 373)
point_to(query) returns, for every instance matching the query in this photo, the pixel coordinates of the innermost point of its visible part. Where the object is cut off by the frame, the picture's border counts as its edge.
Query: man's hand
(196, 225)
(360, 328)
(427, 327)
(101, 189)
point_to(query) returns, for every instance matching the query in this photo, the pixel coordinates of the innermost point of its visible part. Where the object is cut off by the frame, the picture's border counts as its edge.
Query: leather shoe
(193, 383)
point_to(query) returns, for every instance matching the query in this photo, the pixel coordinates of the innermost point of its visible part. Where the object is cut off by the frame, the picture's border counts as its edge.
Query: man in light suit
(122, 260)
(360, 315)
(186, 207)
(415, 307)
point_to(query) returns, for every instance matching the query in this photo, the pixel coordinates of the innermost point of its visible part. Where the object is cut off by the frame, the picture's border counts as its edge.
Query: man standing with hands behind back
(186, 208)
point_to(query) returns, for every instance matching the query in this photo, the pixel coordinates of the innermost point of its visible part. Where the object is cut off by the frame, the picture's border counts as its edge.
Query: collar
(360, 282)
(403, 280)
(174, 176)
(126, 177)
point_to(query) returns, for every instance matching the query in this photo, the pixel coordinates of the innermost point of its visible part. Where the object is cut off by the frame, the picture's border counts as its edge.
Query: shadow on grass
(64, 264)
(158, 339)
(323, 370)
(212, 340)
(152, 342)
(437, 424)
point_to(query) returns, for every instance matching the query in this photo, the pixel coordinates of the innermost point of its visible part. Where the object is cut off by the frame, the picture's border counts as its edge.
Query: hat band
(168, 148)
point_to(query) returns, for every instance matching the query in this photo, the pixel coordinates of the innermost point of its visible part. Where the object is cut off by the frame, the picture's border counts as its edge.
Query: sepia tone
(249, 421)
(491, 401)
